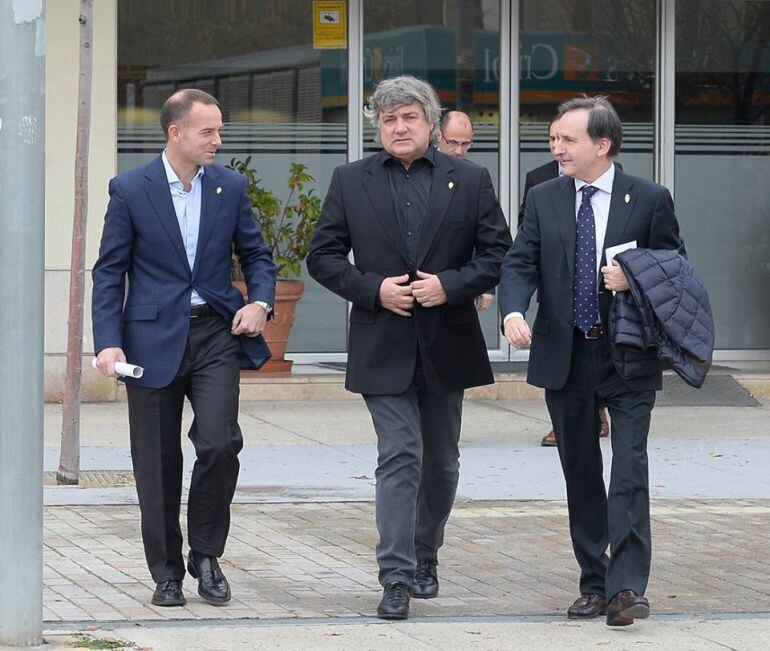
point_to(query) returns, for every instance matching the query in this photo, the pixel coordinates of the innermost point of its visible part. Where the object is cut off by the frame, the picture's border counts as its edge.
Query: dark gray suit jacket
(542, 258)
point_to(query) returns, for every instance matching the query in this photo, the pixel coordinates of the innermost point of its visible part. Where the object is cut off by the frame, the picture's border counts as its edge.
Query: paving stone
(316, 560)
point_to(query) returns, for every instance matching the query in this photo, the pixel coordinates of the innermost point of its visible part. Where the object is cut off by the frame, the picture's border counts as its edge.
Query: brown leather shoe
(549, 440)
(604, 428)
(587, 606)
(625, 607)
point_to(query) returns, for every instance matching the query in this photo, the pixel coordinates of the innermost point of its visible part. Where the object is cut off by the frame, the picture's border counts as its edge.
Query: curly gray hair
(401, 91)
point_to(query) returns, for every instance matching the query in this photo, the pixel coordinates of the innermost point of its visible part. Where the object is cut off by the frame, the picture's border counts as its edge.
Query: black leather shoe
(395, 601)
(212, 584)
(587, 606)
(168, 593)
(425, 583)
(625, 607)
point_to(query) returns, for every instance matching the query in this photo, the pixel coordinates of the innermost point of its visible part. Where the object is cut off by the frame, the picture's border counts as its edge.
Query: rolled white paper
(121, 368)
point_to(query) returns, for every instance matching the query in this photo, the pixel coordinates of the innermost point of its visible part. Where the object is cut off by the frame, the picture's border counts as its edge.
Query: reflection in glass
(282, 99)
(723, 160)
(596, 47)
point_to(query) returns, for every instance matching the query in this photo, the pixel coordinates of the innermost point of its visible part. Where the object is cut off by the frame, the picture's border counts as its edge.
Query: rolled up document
(121, 368)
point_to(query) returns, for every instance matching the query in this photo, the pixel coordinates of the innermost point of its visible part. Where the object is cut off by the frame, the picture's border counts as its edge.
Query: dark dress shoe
(168, 593)
(395, 601)
(587, 606)
(212, 584)
(425, 583)
(625, 607)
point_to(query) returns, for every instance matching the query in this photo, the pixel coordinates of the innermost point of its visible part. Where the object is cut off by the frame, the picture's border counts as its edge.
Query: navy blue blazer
(542, 258)
(149, 318)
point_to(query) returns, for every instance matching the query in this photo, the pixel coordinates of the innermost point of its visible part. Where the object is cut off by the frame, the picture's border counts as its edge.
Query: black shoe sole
(592, 616)
(169, 603)
(416, 595)
(392, 616)
(626, 617)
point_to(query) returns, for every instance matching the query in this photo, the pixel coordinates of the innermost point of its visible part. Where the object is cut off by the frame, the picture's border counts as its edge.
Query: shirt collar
(604, 182)
(428, 156)
(171, 174)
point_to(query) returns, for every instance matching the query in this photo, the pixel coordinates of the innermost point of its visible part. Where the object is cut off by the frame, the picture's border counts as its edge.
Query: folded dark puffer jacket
(664, 320)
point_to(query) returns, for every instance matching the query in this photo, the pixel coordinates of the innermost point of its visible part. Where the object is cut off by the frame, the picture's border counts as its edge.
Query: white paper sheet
(612, 251)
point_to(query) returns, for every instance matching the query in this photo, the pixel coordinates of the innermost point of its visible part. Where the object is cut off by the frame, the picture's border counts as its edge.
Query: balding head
(456, 134)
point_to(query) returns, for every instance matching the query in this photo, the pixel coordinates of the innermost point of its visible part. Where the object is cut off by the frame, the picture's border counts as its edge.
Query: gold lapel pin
(219, 191)
(627, 198)
(450, 185)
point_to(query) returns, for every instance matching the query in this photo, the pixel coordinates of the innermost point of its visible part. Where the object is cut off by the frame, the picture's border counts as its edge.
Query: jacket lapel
(377, 187)
(158, 193)
(442, 189)
(210, 204)
(620, 210)
(564, 207)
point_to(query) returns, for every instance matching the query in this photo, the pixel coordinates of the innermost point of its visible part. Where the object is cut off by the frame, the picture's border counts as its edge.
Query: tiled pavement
(316, 560)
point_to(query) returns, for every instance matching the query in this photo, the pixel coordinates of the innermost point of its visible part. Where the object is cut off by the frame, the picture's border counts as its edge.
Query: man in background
(456, 138)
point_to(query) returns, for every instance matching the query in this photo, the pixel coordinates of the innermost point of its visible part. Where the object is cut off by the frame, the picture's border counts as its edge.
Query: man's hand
(517, 332)
(615, 277)
(484, 302)
(428, 291)
(395, 296)
(105, 360)
(249, 320)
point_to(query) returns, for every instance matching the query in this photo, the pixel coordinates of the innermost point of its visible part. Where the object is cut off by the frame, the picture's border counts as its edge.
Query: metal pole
(22, 181)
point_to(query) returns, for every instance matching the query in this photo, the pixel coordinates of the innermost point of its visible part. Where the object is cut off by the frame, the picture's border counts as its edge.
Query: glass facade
(722, 160)
(285, 98)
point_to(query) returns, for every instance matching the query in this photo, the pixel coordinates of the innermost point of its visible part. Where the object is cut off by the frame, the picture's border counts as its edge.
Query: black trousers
(209, 377)
(619, 518)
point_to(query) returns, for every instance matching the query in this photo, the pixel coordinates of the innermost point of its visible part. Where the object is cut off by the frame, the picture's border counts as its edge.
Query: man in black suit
(535, 177)
(413, 218)
(559, 251)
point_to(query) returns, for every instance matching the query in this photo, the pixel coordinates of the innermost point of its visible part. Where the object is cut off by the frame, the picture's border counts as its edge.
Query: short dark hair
(603, 120)
(177, 107)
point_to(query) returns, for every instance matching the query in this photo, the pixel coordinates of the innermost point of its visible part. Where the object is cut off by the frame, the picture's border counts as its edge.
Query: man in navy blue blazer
(169, 231)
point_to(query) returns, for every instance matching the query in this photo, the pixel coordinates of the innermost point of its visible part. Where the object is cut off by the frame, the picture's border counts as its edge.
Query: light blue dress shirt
(187, 206)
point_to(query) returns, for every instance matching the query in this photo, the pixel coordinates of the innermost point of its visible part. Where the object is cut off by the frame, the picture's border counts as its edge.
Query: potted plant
(287, 228)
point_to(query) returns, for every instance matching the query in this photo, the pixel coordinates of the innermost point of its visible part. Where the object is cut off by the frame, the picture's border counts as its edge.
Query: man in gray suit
(559, 251)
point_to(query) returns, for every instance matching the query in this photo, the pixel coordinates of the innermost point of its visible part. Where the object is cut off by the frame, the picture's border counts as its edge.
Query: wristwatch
(265, 306)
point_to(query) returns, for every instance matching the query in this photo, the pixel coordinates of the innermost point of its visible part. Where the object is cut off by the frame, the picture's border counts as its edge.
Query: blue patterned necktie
(585, 306)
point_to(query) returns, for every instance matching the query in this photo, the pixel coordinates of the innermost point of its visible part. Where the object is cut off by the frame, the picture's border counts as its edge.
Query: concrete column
(22, 186)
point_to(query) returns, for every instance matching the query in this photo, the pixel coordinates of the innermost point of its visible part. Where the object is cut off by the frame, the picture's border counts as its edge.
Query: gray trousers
(418, 466)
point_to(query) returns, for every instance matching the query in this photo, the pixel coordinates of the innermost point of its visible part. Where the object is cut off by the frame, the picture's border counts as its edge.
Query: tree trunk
(69, 457)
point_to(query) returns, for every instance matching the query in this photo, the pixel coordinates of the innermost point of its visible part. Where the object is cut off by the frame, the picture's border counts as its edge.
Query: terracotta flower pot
(277, 330)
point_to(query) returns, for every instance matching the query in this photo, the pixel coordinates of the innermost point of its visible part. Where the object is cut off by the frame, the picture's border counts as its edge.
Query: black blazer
(542, 258)
(536, 177)
(463, 216)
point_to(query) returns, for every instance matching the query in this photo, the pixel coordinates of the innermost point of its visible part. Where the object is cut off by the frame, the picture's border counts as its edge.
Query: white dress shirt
(600, 202)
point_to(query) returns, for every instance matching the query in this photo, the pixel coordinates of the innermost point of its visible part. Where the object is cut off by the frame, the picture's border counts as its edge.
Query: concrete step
(723, 387)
